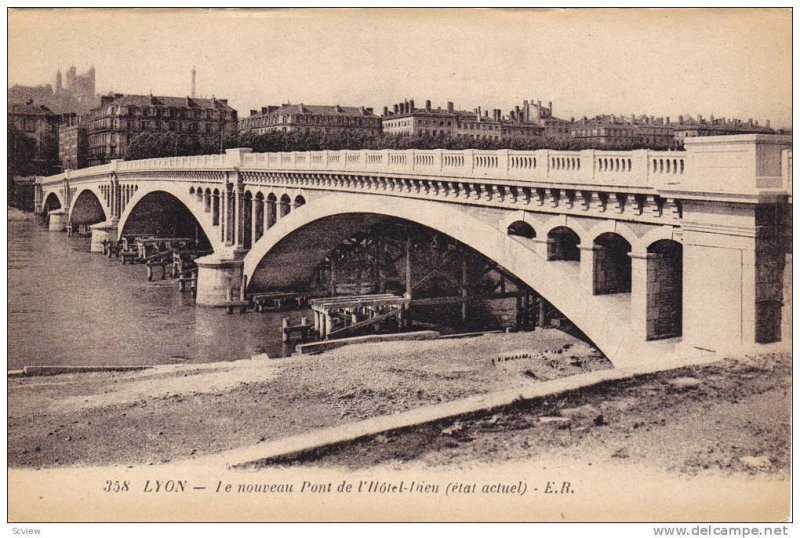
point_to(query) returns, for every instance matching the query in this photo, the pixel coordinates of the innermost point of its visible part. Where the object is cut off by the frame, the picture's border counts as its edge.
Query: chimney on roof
(711, 118)
(386, 111)
(680, 119)
(700, 118)
(572, 119)
(767, 124)
(427, 104)
(396, 108)
(369, 110)
(497, 114)
(411, 104)
(550, 107)
(194, 78)
(667, 120)
(264, 110)
(254, 112)
(450, 107)
(513, 115)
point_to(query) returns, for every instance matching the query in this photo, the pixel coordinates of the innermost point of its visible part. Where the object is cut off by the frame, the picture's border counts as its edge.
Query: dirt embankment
(176, 412)
(17, 215)
(728, 417)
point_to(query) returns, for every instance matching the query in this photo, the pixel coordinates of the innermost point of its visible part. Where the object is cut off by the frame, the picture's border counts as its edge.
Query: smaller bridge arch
(165, 191)
(52, 202)
(88, 207)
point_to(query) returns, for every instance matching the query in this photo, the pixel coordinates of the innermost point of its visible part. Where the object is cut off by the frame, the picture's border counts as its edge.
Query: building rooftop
(29, 108)
(166, 101)
(317, 110)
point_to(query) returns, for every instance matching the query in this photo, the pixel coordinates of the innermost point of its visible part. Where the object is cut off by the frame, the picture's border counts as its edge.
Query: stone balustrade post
(503, 163)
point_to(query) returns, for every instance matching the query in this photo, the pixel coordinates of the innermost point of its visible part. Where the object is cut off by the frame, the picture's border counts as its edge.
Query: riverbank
(182, 411)
(727, 418)
(699, 443)
(17, 215)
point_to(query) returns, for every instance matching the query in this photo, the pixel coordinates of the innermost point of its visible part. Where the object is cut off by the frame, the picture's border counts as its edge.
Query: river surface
(69, 306)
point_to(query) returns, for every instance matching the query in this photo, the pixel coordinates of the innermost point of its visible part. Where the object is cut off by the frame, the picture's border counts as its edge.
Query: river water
(69, 306)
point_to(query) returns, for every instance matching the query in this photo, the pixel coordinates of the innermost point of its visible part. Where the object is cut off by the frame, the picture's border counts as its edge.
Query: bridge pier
(215, 277)
(57, 220)
(103, 231)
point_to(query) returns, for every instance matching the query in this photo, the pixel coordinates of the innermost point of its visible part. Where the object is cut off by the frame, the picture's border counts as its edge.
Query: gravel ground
(729, 417)
(179, 411)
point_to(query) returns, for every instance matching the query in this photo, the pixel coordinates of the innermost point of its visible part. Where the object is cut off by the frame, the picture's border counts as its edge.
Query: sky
(725, 62)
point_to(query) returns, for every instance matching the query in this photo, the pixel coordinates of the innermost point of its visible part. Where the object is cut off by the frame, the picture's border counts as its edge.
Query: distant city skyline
(731, 63)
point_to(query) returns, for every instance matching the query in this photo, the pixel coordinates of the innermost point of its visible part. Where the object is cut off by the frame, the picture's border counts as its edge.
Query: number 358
(116, 486)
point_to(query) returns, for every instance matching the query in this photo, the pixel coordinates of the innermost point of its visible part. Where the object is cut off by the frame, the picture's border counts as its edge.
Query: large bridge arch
(600, 320)
(180, 193)
(88, 207)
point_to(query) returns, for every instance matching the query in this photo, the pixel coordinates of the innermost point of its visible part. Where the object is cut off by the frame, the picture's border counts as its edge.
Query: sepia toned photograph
(399, 265)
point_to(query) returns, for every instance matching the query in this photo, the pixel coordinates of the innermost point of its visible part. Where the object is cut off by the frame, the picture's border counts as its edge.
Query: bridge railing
(193, 162)
(742, 164)
(639, 168)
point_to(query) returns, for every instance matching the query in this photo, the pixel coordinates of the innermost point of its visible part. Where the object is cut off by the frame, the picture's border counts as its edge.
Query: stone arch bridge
(647, 253)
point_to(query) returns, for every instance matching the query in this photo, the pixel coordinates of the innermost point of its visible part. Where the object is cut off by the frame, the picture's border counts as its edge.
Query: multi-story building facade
(120, 118)
(308, 119)
(623, 131)
(688, 126)
(531, 120)
(73, 143)
(40, 124)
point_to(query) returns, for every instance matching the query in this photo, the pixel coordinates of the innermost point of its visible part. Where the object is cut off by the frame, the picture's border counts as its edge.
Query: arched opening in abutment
(664, 283)
(521, 229)
(612, 265)
(352, 254)
(160, 214)
(271, 210)
(247, 217)
(87, 209)
(562, 245)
